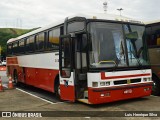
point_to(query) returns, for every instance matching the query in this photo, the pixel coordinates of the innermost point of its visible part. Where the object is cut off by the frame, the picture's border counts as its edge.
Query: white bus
(92, 58)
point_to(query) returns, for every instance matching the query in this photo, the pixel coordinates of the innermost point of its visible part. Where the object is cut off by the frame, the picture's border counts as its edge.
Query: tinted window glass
(153, 35)
(15, 47)
(40, 38)
(30, 44)
(21, 46)
(9, 48)
(53, 42)
(75, 26)
(66, 57)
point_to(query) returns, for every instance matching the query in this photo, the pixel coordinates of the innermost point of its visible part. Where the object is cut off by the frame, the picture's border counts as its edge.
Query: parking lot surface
(26, 98)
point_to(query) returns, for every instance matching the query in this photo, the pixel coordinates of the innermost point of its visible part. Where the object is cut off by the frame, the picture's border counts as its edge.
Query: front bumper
(110, 94)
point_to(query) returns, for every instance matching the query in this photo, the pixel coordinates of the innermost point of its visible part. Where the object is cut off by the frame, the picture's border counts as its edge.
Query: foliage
(8, 33)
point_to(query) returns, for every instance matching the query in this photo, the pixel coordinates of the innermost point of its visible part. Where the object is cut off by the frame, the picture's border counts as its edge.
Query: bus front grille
(120, 82)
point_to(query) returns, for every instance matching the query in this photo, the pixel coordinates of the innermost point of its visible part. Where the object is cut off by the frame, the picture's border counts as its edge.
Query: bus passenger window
(21, 46)
(15, 47)
(153, 36)
(40, 38)
(30, 44)
(158, 40)
(9, 48)
(53, 42)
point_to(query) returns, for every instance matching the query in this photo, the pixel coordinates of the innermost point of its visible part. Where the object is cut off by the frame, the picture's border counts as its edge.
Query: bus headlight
(107, 83)
(149, 79)
(145, 79)
(95, 84)
(102, 83)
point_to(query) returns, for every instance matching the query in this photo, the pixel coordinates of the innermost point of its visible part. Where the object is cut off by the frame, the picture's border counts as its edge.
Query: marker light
(102, 83)
(145, 79)
(149, 79)
(107, 83)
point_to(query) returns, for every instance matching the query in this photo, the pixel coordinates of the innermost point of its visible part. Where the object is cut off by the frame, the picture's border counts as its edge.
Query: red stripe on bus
(103, 77)
(12, 60)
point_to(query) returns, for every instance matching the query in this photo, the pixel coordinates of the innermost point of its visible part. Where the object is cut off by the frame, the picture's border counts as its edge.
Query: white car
(4, 62)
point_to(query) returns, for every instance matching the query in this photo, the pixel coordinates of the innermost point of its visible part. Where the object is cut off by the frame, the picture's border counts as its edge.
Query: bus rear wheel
(156, 86)
(15, 77)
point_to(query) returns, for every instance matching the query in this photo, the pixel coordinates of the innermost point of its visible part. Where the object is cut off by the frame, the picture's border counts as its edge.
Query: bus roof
(152, 22)
(102, 16)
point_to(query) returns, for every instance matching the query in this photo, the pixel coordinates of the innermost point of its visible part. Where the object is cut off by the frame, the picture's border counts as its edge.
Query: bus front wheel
(57, 89)
(156, 86)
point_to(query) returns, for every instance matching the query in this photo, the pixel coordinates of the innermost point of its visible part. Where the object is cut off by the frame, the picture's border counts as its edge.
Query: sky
(38, 13)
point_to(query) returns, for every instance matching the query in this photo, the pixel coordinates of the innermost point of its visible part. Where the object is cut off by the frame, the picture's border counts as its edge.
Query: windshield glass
(107, 47)
(136, 47)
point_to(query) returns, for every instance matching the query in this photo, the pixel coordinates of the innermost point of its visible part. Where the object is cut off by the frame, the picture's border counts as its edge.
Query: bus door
(80, 64)
(67, 87)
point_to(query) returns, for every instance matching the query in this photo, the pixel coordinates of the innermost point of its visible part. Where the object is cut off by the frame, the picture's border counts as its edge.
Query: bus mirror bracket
(65, 26)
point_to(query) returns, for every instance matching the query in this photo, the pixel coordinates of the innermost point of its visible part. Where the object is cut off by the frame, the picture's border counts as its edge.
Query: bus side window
(53, 42)
(40, 38)
(15, 47)
(153, 36)
(158, 40)
(30, 44)
(9, 49)
(21, 46)
(27, 44)
(81, 52)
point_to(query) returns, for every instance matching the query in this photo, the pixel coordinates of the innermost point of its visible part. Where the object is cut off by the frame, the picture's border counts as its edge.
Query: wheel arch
(56, 81)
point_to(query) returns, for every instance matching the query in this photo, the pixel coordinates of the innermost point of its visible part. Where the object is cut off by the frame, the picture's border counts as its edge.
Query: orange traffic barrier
(10, 84)
(1, 87)
(3, 68)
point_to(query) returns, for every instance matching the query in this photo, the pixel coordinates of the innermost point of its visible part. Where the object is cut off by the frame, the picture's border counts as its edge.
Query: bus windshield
(114, 44)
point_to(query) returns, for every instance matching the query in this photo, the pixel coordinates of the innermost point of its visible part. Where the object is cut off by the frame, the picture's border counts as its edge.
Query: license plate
(128, 91)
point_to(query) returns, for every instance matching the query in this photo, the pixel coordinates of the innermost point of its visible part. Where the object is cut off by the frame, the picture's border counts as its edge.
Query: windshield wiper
(110, 61)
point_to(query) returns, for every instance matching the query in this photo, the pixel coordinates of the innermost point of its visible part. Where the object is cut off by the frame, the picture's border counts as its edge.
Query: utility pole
(105, 6)
(120, 9)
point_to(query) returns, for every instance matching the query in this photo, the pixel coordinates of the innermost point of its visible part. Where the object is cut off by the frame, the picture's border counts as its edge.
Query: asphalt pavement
(27, 98)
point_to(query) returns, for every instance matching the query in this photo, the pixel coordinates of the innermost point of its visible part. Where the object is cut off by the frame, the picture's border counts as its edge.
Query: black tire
(156, 86)
(15, 77)
(57, 90)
